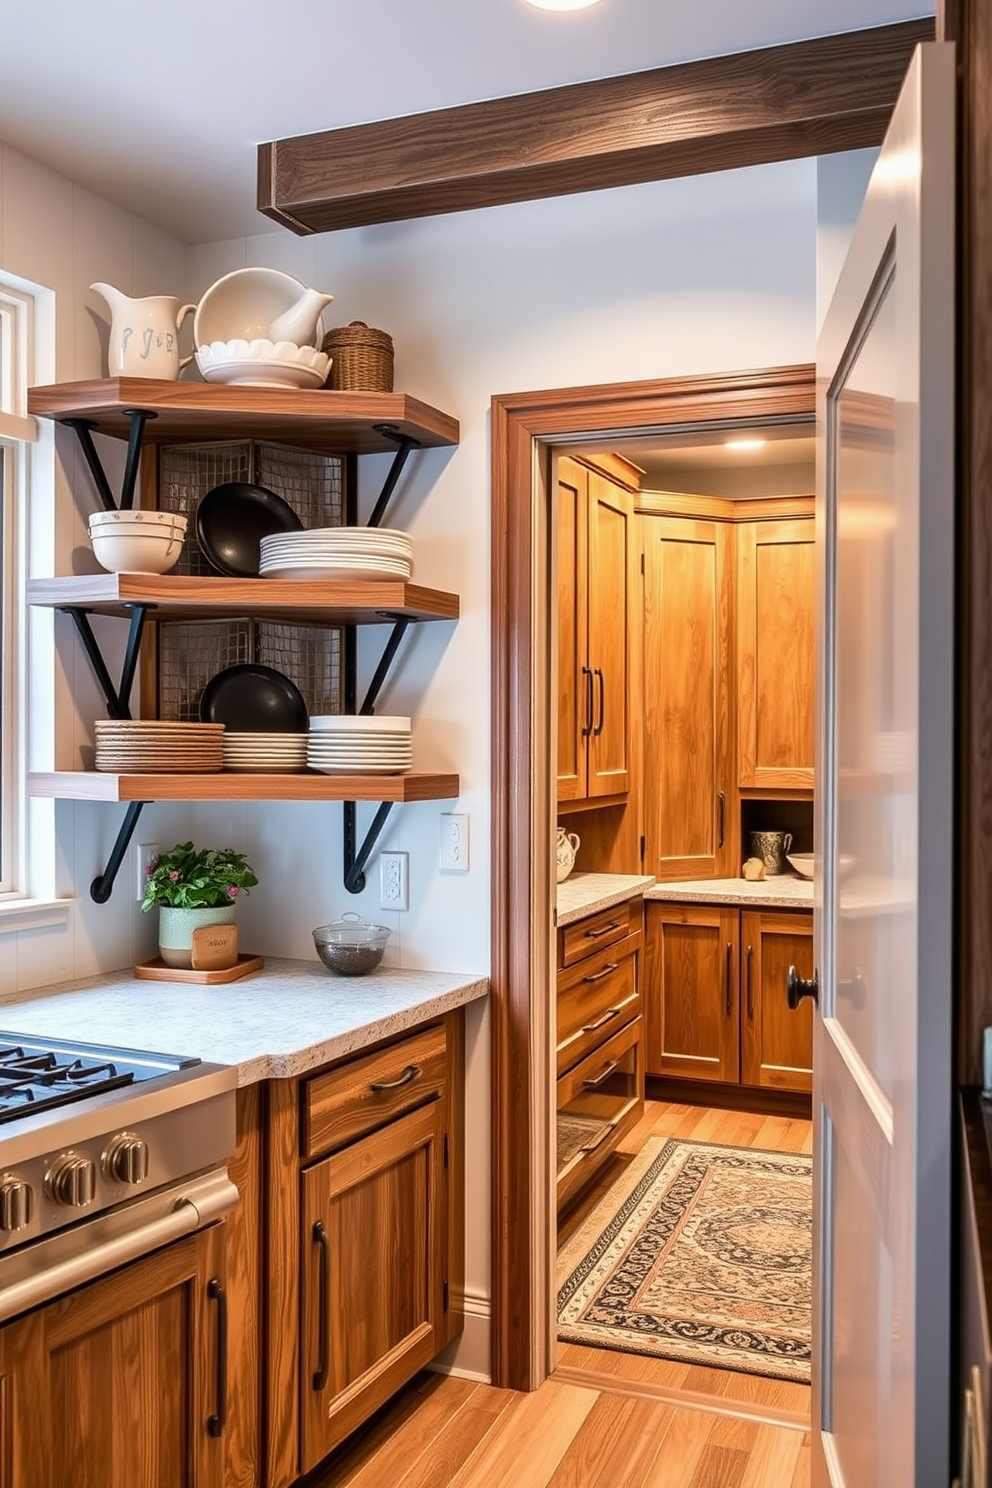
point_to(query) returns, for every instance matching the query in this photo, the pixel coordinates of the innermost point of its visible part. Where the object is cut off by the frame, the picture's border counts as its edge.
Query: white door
(882, 1071)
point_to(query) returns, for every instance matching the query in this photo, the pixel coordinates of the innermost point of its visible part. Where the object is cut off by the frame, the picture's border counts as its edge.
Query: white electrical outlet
(394, 880)
(145, 855)
(453, 857)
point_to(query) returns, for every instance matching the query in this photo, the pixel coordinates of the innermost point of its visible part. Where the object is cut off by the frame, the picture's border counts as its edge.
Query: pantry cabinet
(715, 995)
(595, 551)
(775, 653)
(123, 1383)
(687, 713)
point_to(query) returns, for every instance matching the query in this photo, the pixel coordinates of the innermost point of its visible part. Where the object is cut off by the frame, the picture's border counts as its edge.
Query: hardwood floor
(604, 1419)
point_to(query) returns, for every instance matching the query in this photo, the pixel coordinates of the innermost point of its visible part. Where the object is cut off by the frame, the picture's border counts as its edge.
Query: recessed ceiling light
(562, 4)
(744, 444)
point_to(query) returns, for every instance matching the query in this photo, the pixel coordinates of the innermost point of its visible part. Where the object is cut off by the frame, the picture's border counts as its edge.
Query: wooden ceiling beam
(750, 108)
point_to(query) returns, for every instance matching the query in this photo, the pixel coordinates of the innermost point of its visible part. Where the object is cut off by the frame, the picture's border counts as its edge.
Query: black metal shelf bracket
(118, 698)
(355, 858)
(385, 662)
(404, 444)
(83, 430)
(102, 886)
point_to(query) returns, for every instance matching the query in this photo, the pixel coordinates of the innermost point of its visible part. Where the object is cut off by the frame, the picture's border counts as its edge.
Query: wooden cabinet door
(373, 1241)
(575, 697)
(691, 991)
(689, 796)
(776, 1043)
(121, 1384)
(608, 586)
(775, 592)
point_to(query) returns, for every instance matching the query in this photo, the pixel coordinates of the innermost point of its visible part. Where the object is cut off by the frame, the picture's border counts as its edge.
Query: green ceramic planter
(176, 926)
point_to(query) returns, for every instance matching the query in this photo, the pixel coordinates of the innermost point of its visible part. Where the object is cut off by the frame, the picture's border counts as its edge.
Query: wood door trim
(716, 1405)
(749, 108)
(523, 803)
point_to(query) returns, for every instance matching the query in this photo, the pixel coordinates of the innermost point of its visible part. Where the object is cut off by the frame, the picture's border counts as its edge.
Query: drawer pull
(730, 953)
(217, 1422)
(597, 976)
(595, 934)
(410, 1073)
(750, 989)
(592, 1027)
(319, 1377)
(591, 1146)
(602, 1078)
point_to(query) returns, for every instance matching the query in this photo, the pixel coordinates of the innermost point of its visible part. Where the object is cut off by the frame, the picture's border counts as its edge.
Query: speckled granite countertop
(289, 1018)
(585, 893)
(781, 891)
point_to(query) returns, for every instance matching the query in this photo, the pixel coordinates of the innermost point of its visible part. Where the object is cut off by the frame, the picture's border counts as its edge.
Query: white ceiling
(159, 105)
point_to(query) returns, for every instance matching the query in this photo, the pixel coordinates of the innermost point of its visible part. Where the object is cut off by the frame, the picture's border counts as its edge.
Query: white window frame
(27, 885)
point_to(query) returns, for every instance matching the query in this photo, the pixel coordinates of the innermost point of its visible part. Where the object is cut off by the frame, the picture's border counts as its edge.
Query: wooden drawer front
(359, 1096)
(596, 999)
(598, 1102)
(598, 930)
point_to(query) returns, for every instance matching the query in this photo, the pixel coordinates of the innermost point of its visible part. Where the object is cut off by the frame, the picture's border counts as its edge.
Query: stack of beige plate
(265, 754)
(343, 744)
(337, 553)
(148, 747)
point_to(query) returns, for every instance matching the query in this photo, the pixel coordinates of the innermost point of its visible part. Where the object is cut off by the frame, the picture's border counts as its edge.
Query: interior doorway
(525, 429)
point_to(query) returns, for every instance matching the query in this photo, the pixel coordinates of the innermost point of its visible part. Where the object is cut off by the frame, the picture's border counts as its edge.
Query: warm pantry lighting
(562, 4)
(744, 444)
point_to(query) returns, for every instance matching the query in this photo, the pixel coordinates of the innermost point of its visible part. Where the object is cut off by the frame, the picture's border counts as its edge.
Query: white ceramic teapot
(566, 848)
(144, 334)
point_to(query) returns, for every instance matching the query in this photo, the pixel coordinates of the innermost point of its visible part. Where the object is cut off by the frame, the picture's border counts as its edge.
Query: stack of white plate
(265, 754)
(343, 744)
(148, 747)
(337, 553)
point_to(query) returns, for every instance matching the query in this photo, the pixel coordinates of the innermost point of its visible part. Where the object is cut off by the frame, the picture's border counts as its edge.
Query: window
(18, 436)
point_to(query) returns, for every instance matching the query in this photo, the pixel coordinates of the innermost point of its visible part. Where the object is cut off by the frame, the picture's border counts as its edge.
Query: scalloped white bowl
(262, 363)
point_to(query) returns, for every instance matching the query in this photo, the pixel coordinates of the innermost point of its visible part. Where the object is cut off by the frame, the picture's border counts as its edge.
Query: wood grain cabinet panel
(687, 721)
(373, 1237)
(367, 1092)
(594, 565)
(692, 987)
(776, 1041)
(775, 651)
(113, 1386)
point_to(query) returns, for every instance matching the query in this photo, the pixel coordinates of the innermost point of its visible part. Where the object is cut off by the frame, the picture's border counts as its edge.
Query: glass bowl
(350, 946)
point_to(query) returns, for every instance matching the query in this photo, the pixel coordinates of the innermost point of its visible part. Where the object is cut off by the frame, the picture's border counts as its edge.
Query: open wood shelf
(97, 785)
(336, 423)
(293, 601)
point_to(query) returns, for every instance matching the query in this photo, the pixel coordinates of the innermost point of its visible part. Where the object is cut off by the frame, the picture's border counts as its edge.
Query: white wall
(691, 276)
(60, 236)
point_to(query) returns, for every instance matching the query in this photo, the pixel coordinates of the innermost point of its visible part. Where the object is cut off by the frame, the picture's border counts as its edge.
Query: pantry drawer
(360, 1095)
(598, 930)
(599, 1101)
(596, 998)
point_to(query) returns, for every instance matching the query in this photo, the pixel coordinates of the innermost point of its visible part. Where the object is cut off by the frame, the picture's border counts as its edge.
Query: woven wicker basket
(361, 358)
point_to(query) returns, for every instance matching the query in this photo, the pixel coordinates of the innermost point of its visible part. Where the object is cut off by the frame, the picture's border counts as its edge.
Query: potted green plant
(195, 888)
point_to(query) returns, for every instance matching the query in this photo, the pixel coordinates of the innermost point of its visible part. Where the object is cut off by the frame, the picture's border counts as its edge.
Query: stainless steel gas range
(105, 1154)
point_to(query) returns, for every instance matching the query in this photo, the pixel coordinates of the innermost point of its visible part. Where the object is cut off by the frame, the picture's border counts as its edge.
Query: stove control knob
(71, 1181)
(126, 1159)
(16, 1203)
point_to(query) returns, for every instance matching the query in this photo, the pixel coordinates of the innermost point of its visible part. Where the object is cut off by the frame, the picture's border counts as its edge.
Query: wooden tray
(157, 971)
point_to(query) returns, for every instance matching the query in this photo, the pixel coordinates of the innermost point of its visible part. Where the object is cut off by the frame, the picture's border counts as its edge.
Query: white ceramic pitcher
(144, 334)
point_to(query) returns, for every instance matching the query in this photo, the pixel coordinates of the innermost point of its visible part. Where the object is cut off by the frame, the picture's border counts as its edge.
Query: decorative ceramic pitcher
(565, 850)
(299, 323)
(771, 848)
(144, 334)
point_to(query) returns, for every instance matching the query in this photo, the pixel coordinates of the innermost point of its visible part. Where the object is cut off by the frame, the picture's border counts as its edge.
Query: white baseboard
(469, 1356)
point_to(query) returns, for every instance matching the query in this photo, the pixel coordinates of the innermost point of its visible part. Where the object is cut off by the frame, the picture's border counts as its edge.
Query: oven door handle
(204, 1201)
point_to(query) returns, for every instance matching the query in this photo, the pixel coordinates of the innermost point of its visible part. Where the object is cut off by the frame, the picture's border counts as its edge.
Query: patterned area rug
(698, 1253)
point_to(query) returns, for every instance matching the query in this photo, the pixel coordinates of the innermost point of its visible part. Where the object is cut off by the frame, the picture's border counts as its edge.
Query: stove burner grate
(39, 1082)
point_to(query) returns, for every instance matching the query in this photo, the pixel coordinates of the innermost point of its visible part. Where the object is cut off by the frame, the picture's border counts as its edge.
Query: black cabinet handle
(323, 1305)
(597, 976)
(601, 1078)
(730, 1003)
(721, 829)
(216, 1293)
(604, 930)
(600, 1022)
(750, 992)
(797, 987)
(409, 1074)
(587, 726)
(602, 701)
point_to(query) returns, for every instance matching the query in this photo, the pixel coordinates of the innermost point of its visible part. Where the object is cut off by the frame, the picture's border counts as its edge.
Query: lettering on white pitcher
(126, 335)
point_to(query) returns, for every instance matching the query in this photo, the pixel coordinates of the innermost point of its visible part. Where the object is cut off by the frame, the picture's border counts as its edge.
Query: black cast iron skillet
(232, 519)
(250, 698)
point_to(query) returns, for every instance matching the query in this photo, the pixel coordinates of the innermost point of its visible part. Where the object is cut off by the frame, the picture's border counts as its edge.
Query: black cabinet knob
(797, 987)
